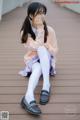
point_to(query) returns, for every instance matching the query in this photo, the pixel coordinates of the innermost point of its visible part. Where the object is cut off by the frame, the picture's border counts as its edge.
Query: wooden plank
(62, 67)
(58, 66)
(52, 108)
(55, 90)
(59, 72)
(47, 117)
(10, 99)
(54, 82)
(57, 77)
(17, 62)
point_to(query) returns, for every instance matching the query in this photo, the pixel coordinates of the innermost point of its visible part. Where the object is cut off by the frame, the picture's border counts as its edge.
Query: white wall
(8, 5)
(1, 3)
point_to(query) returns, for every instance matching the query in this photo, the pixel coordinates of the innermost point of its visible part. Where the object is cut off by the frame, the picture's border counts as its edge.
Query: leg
(33, 81)
(45, 66)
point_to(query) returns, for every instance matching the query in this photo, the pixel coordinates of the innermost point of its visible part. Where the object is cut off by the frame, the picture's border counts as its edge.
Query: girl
(40, 42)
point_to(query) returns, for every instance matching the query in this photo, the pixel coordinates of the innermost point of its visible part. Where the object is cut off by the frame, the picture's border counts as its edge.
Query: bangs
(41, 10)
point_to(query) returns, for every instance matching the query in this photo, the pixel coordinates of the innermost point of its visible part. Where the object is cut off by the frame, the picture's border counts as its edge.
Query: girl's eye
(40, 13)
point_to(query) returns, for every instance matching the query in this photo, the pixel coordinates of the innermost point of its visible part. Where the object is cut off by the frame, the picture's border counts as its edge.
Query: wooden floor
(65, 99)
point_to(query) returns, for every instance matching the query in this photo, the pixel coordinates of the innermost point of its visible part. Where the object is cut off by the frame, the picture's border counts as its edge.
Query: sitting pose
(39, 39)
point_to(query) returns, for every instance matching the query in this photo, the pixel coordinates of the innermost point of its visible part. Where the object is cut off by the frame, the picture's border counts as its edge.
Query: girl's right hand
(32, 53)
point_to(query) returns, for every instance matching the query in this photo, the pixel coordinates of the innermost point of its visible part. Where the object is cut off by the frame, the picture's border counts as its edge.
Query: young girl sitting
(40, 42)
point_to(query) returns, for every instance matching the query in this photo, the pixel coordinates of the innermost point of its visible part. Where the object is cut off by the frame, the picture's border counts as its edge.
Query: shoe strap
(44, 92)
(33, 103)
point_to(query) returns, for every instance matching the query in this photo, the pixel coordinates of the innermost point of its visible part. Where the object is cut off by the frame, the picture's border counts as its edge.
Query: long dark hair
(33, 8)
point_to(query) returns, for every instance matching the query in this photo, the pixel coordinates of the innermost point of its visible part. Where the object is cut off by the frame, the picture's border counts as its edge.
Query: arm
(31, 44)
(51, 44)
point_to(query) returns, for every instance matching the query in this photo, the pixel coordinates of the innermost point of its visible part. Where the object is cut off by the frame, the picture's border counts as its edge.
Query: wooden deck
(65, 100)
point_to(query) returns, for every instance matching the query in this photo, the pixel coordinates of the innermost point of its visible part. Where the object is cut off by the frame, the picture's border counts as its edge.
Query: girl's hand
(32, 53)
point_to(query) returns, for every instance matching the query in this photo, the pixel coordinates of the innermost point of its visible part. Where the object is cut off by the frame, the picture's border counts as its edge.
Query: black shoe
(28, 74)
(32, 107)
(45, 96)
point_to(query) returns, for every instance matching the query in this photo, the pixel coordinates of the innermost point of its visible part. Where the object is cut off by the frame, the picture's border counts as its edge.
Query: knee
(43, 52)
(41, 48)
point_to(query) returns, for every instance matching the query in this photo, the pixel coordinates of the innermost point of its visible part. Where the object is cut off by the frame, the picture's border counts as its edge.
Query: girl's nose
(41, 17)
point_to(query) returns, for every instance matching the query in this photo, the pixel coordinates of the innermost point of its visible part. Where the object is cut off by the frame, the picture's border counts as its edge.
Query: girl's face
(38, 19)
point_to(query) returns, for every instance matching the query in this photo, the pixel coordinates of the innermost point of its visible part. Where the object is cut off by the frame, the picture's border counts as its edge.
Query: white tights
(37, 69)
